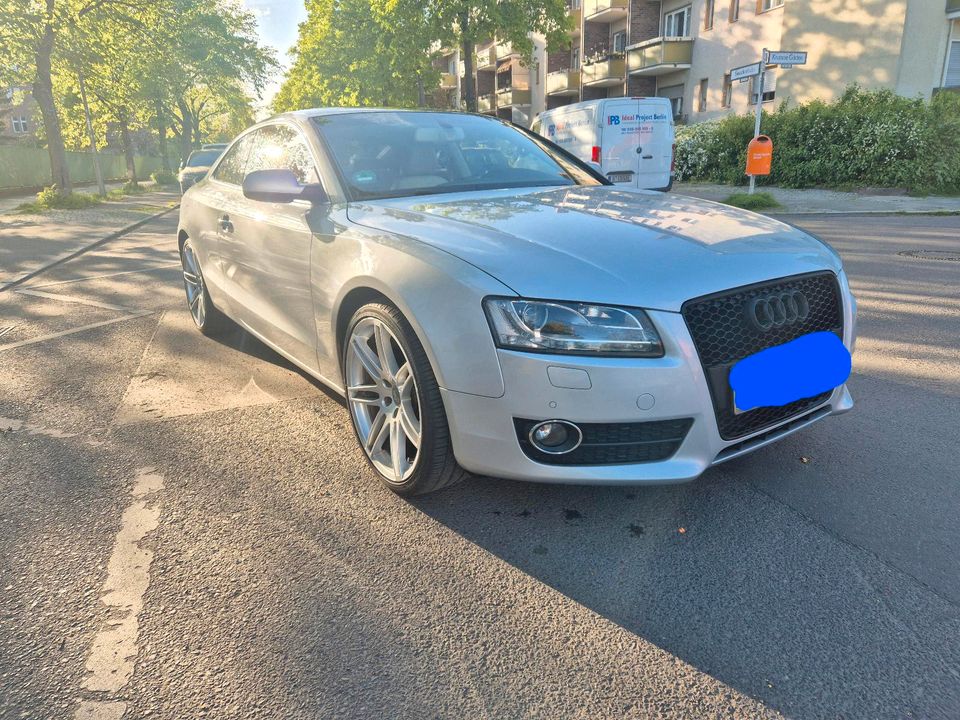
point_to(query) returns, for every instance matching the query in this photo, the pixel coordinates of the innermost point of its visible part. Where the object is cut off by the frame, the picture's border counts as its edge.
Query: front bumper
(672, 387)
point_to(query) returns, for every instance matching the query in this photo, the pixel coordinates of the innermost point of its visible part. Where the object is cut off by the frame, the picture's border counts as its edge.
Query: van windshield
(398, 154)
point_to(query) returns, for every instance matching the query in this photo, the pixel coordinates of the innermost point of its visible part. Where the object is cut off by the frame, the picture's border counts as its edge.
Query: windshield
(202, 158)
(397, 154)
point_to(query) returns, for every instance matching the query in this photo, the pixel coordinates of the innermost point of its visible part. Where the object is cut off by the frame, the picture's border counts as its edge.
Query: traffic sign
(745, 72)
(784, 57)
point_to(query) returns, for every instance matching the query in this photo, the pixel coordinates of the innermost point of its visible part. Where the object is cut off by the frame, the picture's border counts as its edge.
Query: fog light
(555, 437)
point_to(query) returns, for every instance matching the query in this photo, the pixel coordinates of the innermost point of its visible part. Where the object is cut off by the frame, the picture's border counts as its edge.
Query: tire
(206, 317)
(395, 403)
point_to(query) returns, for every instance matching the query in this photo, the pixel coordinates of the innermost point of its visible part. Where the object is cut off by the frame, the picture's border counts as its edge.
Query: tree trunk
(162, 136)
(127, 147)
(98, 171)
(43, 94)
(186, 131)
(469, 79)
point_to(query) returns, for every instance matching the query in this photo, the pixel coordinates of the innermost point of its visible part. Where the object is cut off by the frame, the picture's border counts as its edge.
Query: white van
(631, 138)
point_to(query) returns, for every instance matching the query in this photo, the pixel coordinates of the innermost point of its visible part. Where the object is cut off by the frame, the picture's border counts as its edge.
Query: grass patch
(757, 201)
(51, 199)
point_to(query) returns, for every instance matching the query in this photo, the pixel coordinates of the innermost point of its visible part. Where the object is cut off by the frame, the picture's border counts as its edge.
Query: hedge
(864, 139)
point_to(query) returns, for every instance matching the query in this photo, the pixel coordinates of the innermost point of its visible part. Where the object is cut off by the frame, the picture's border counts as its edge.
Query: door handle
(225, 223)
(648, 157)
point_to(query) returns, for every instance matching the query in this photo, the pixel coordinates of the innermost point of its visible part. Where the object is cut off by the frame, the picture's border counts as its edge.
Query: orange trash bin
(759, 155)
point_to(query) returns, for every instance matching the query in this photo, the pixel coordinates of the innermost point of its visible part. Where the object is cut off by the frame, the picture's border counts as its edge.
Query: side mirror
(280, 186)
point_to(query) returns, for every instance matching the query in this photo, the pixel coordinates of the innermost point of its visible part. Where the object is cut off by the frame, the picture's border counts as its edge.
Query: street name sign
(783, 57)
(745, 72)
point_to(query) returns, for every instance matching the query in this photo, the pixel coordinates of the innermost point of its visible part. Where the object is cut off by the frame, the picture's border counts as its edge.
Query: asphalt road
(188, 530)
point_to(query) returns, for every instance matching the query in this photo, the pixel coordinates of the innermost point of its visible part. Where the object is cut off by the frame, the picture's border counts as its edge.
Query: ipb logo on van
(613, 120)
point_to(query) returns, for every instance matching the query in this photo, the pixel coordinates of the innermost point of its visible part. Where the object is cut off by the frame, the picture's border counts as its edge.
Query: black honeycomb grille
(613, 443)
(722, 335)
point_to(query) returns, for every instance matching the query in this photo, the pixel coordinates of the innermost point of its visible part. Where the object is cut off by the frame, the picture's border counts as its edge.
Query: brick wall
(644, 21)
(596, 38)
(638, 86)
(485, 83)
(558, 61)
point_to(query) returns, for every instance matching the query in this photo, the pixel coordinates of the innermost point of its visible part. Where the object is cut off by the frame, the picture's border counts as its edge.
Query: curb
(85, 248)
(855, 213)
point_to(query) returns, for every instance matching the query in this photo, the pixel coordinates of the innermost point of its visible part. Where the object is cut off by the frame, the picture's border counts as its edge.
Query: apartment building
(684, 50)
(19, 116)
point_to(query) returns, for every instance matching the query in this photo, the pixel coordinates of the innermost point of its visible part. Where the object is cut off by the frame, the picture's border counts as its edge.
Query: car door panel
(267, 249)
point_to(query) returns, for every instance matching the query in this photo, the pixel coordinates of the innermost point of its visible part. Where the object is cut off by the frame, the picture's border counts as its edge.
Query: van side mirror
(280, 186)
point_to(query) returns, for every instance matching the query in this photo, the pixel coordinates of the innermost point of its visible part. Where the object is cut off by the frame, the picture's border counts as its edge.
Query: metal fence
(28, 168)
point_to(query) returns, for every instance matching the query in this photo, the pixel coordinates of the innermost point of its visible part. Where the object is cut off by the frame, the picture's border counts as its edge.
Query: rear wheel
(207, 318)
(395, 403)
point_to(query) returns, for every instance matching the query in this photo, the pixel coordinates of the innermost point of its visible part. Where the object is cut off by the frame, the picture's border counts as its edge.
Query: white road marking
(105, 275)
(14, 425)
(113, 653)
(64, 333)
(73, 299)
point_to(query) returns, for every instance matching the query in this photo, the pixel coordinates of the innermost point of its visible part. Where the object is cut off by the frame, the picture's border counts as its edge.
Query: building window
(764, 5)
(677, 23)
(619, 41)
(727, 99)
(19, 125)
(708, 8)
(734, 14)
(952, 78)
(702, 96)
(674, 93)
(768, 94)
(575, 58)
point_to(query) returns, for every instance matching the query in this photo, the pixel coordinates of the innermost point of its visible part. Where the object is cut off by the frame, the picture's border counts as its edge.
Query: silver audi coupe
(486, 302)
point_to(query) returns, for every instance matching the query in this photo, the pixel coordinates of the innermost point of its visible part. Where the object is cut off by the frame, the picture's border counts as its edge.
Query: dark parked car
(195, 167)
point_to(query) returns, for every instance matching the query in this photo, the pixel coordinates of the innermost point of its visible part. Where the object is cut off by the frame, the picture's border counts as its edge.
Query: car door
(654, 143)
(214, 199)
(620, 151)
(266, 248)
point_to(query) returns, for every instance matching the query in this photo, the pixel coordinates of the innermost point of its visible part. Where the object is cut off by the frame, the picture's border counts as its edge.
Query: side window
(276, 147)
(232, 168)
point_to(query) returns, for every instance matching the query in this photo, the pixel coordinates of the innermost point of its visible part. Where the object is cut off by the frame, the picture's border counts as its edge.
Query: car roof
(319, 112)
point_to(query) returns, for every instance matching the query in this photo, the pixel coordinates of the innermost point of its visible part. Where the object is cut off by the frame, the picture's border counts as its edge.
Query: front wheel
(395, 403)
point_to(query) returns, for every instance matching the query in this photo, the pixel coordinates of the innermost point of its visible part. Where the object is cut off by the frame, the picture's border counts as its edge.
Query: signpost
(785, 59)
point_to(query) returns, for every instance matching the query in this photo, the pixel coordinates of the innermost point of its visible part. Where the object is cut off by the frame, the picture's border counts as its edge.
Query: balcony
(487, 58)
(576, 18)
(504, 50)
(448, 81)
(660, 56)
(605, 11)
(486, 103)
(604, 73)
(563, 82)
(512, 96)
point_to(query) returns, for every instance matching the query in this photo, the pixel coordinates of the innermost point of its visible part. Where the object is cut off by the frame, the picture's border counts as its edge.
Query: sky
(277, 21)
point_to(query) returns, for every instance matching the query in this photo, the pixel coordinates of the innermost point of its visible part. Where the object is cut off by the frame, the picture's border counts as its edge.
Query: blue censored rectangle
(801, 368)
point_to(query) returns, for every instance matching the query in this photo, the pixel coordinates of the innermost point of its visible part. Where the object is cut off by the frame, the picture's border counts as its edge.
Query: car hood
(603, 244)
(192, 170)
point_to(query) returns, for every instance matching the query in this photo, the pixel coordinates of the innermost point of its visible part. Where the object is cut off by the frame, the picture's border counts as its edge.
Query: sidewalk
(9, 203)
(31, 242)
(826, 201)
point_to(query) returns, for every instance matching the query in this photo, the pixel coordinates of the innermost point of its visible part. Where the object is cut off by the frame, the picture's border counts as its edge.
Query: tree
(142, 61)
(30, 32)
(359, 53)
(468, 22)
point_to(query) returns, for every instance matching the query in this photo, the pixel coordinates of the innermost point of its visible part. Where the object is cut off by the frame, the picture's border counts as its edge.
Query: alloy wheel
(193, 282)
(382, 393)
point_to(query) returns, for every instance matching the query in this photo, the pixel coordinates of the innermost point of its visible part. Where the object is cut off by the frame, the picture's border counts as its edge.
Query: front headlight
(572, 328)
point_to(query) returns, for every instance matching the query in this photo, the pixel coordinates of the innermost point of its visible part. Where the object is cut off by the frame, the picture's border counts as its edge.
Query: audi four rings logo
(786, 308)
